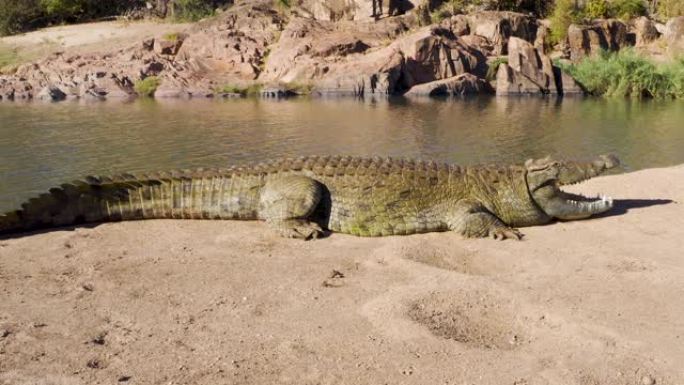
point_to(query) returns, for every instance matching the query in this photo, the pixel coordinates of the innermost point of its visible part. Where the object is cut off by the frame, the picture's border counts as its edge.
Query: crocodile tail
(92, 200)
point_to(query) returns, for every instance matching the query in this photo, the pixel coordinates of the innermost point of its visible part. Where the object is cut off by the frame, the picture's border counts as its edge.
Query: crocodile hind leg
(472, 220)
(287, 203)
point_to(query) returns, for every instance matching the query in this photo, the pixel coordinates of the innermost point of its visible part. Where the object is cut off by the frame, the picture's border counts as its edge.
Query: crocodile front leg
(472, 220)
(287, 203)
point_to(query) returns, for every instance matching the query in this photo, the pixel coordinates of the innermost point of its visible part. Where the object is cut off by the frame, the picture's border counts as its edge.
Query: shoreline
(593, 301)
(275, 53)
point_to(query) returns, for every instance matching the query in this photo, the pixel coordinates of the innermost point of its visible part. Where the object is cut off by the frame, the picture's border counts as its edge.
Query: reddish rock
(497, 27)
(644, 30)
(674, 33)
(603, 35)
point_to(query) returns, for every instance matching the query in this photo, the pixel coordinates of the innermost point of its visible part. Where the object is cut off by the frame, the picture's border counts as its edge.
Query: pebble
(648, 380)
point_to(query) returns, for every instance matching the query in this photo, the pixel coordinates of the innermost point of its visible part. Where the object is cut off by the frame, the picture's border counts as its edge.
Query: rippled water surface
(42, 145)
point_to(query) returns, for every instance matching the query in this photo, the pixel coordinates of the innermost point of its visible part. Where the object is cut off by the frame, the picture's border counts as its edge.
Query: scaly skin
(301, 197)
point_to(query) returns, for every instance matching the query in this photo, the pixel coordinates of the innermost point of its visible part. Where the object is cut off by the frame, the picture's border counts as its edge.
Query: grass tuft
(148, 86)
(494, 67)
(627, 74)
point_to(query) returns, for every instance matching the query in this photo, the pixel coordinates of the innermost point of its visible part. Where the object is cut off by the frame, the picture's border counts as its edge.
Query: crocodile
(310, 196)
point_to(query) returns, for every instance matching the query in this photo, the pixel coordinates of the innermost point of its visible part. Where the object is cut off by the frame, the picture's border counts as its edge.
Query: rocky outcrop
(644, 30)
(674, 33)
(254, 43)
(237, 44)
(588, 40)
(497, 27)
(461, 85)
(358, 64)
(529, 71)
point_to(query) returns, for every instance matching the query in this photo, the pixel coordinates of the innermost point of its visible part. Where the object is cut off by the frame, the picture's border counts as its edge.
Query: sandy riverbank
(200, 302)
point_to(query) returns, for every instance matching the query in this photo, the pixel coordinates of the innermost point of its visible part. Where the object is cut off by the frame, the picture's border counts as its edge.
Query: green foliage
(16, 16)
(23, 15)
(494, 67)
(627, 9)
(564, 13)
(193, 10)
(283, 3)
(670, 8)
(148, 86)
(596, 9)
(625, 73)
(173, 36)
(63, 8)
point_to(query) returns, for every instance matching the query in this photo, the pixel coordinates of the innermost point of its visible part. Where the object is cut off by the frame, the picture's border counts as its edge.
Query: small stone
(124, 378)
(94, 364)
(647, 380)
(88, 287)
(99, 339)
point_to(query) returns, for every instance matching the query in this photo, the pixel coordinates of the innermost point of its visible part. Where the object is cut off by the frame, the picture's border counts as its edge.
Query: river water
(43, 145)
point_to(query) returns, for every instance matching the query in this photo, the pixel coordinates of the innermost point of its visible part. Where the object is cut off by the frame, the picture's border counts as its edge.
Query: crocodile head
(544, 176)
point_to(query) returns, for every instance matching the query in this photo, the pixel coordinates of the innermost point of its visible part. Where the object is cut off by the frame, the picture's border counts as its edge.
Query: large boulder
(236, 44)
(644, 30)
(528, 61)
(461, 85)
(529, 71)
(350, 62)
(497, 27)
(602, 35)
(674, 33)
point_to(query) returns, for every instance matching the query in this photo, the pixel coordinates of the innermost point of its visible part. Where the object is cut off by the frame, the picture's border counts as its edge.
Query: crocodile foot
(298, 229)
(502, 233)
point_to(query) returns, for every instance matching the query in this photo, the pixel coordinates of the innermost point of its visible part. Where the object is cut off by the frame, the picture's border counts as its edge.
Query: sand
(86, 38)
(589, 302)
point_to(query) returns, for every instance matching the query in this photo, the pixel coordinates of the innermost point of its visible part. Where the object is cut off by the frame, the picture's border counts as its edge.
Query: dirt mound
(477, 319)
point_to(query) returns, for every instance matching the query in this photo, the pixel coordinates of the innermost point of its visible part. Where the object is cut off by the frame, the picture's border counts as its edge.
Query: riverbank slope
(260, 48)
(205, 302)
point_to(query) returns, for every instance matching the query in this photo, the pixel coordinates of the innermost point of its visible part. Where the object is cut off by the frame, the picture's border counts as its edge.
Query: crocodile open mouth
(566, 206)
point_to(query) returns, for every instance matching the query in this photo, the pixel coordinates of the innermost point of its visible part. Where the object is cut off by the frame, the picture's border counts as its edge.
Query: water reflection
(45, 144)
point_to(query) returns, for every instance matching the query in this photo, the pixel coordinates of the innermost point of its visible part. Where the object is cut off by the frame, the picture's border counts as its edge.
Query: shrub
(17, 16)
(494, 67)
(192, 10)
(148, 86)
(625, 73)
(596, 9)
(670, 8)
(564, 14)
(628, 9)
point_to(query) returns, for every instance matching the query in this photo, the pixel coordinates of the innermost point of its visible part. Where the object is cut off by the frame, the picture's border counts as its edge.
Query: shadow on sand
(622, 206)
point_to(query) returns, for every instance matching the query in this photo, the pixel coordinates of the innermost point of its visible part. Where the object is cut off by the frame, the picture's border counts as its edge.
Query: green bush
(627, 9)
(148, 86)
(494, 67)
(564, 14)
(192, 10)
(625, 73)
(16, 16)
(596, 9)
(670, 8)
